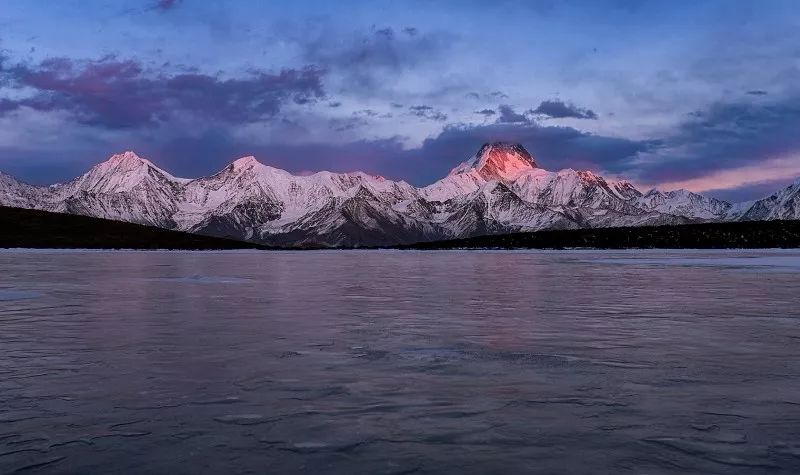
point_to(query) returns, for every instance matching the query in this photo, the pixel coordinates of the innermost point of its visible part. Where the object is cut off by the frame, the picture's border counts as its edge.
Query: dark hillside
(25, 228)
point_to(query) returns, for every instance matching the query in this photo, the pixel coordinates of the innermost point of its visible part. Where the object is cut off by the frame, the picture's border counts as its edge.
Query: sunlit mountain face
(699, 96)
(498, 190)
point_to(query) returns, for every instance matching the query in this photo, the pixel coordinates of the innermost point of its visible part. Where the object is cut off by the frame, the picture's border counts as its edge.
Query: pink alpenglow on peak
(245, 162)
(127, 159)
(499, 161)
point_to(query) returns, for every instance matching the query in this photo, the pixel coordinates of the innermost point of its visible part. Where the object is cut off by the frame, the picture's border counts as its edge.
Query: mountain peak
(127, 158)
(245, 162)
(121, 172)
(499, 161)
(123, 163)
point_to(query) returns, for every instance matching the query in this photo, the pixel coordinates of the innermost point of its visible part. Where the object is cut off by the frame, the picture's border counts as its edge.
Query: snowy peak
(625, 189)
(784, 204)
(498, 161)
(245, 163)
(122, 172)
(500, 189)
(683, 203)
(128, 158)
(124, 163)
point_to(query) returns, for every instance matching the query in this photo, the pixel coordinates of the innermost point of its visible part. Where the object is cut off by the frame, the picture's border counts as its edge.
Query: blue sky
(701, 94)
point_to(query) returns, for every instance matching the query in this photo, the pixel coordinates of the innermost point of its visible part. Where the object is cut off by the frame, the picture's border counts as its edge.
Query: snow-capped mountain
(500, 189)
(784, 204)
(684, 203)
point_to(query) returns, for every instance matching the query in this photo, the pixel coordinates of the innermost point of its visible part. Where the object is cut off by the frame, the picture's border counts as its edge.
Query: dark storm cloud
(486, 112)
(556, 109)
(728, 135)
(427, 112)
(508, 116)
(120, 94)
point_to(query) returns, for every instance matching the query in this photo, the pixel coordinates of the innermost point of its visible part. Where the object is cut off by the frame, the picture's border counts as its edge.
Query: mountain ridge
(501, 189)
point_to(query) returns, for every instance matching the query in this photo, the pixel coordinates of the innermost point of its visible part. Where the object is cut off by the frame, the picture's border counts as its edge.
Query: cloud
(757, 92)
(490, 96)
(486, 112)
(366, 112)
(367, 62)
(554, 147)
(164, 5)
(746, 136)
(781, 170)
(428, 112)
(497, 95)
(746, 192)
(508, 116)
(556, 109)
(114, 94)
(348, 123)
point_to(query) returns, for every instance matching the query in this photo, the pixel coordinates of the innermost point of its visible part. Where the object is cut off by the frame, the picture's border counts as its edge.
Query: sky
(703, 95)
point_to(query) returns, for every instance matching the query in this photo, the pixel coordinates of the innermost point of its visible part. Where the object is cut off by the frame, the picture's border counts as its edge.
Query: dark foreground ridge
(739, 235)
(25, 228)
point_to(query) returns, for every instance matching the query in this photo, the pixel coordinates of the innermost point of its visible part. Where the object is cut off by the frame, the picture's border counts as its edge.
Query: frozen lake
(579, 362)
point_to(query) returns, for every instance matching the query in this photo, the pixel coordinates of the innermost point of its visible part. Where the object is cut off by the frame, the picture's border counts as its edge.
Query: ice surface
(12, 294)
(400, 362)
(204, 279)
(790, 263)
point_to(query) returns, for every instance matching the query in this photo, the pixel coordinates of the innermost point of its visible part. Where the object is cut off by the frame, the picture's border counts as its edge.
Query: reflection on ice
(774, 263)
(11, 294)
(204, 279)
(400, 362)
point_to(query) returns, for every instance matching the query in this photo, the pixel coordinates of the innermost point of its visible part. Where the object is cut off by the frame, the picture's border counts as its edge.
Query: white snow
(500, 189)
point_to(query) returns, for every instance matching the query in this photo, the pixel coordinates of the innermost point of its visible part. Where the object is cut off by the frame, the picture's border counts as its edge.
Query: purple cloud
(121, 94)
(728, 135)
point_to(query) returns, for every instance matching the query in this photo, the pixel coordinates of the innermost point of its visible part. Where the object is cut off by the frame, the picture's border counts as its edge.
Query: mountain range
(501, 189)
